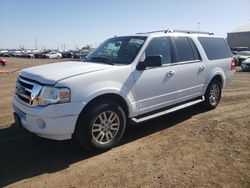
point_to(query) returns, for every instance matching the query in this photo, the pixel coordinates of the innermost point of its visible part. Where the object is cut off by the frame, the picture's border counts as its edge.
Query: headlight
(53, 95)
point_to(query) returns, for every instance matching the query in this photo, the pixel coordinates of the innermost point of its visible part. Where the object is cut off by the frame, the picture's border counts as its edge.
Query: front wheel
(102, 127)
(212, 95)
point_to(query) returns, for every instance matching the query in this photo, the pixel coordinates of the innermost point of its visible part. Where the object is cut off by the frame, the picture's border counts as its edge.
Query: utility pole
(36, 42)
(198, 25)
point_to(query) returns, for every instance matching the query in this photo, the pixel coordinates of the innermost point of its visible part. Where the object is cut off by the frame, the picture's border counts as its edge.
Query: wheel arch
(219, 78)
(216, 73)
(108, 96)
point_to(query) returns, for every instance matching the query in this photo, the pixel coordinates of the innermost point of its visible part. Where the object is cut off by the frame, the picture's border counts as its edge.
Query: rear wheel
(102, 127)
(213, 94)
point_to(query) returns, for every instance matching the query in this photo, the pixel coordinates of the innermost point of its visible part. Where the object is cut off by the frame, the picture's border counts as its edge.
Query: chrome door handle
(202, 67)
(171, 73)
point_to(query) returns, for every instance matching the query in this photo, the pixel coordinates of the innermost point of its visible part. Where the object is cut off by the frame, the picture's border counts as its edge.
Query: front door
(156, 87)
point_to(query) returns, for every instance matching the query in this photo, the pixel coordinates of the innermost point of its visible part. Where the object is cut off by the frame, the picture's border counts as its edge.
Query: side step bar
(167, 111)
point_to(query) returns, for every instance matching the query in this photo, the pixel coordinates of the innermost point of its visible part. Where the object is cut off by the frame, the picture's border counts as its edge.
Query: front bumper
(54, 121)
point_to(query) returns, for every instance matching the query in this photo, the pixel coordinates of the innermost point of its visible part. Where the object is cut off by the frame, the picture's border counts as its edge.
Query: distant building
(240, 37)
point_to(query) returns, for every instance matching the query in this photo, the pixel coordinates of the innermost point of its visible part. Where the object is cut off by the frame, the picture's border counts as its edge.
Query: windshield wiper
(101, 60)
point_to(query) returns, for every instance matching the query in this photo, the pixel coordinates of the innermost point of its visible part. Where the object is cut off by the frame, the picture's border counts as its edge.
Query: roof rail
(151, 32)
(187, 31)
(178, 31)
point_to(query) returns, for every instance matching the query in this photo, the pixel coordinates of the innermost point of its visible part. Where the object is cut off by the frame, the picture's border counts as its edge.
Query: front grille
(26, 90)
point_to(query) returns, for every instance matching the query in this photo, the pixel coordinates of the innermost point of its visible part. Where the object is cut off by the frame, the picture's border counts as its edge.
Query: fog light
(40, 123)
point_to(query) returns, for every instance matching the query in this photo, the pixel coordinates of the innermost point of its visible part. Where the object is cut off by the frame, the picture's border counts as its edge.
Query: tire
(101, 127)
(212, 95)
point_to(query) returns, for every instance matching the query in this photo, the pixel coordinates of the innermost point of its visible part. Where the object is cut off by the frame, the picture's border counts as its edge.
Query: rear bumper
(228, 78)
(55, 121)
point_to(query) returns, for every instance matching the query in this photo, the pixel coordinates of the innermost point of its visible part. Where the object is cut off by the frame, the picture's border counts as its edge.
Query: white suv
(136, 78)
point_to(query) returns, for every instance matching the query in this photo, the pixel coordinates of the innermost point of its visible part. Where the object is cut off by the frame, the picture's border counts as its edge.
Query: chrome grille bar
(27, 91)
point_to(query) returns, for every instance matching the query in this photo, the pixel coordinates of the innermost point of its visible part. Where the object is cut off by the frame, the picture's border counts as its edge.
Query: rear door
(191, 68)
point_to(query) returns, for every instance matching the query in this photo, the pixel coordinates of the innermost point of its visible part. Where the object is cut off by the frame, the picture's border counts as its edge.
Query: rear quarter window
(215, 48)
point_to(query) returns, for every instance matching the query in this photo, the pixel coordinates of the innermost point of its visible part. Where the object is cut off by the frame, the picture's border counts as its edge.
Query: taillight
(233, 64)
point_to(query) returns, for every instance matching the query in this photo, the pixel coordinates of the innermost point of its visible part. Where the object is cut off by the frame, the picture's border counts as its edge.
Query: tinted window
(195, 50)
(215, 48)
(184, 50)
(160, 46)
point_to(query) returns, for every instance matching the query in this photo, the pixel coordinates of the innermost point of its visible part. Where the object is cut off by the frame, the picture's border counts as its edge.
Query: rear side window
(195, 50)
(184, 50)
(215, 48)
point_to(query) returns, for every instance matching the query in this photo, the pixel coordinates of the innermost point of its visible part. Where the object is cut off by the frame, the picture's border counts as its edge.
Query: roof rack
(187, 31)
(160, 31)
(178, 31)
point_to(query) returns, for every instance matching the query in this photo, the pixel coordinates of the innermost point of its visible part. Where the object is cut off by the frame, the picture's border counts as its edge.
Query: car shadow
(23, 155)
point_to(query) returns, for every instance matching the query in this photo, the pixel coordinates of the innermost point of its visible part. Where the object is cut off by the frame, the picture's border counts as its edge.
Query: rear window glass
(183, 49)
(215, 48)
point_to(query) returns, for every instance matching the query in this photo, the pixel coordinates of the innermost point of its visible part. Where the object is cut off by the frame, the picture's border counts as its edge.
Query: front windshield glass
(118, 50)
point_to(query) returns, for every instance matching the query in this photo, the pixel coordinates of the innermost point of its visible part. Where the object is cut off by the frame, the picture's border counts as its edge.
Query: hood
(52, 73)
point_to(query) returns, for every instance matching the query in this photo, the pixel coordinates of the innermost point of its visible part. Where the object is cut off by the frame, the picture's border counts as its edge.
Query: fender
(215, 72)
(124, 92)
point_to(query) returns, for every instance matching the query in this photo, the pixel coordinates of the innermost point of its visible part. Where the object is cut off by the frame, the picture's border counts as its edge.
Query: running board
(167, 111)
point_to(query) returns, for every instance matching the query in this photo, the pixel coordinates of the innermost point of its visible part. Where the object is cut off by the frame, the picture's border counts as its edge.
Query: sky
(76, 23)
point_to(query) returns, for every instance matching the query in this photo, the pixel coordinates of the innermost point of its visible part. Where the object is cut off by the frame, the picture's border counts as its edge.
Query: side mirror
(150, 61)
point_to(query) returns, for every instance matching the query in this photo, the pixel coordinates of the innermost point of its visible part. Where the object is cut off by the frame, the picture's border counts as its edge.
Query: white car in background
(245, 65)
(241, 56)
(54, 55)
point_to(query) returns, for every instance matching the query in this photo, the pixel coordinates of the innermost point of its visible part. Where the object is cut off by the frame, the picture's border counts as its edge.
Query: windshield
(118, 50)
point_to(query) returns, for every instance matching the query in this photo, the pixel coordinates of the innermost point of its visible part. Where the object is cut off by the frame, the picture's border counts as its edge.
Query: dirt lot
(188, 148)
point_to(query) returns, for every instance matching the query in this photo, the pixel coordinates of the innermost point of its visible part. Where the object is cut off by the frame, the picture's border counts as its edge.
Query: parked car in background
(17, 54)
(9, 54)
(67, 54)
(54, 55)
(41, 54)
(241, 56)
(80, 54)
(236, 50)
(28, 55)
(3, 62)
(2, 52)
(245, 65)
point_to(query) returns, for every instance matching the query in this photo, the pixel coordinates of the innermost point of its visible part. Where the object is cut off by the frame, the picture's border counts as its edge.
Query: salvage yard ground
(188, 148)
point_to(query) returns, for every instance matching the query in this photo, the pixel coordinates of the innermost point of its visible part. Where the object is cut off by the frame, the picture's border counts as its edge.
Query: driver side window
(160, 46)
